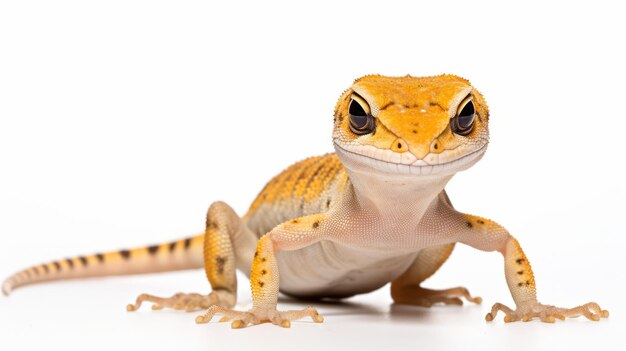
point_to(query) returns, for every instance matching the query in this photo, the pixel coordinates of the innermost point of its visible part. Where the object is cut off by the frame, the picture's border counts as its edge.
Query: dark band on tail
(125, 254)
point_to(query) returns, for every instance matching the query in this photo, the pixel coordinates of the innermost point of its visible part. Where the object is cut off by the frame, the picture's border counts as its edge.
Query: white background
(121, 121)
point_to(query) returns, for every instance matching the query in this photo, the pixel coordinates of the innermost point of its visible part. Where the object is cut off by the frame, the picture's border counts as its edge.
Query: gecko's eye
(361, 121)
(463, 122)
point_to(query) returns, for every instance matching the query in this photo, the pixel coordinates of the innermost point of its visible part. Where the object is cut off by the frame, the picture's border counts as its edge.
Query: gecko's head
(408, 125)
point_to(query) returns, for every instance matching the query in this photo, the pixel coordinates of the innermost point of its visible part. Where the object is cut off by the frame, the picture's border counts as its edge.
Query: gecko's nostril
(435, 147)
(399, 145)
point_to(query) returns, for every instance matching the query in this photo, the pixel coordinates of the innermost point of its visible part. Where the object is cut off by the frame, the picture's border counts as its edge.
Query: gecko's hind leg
(264, 280)
(227, 243)
(406, 289)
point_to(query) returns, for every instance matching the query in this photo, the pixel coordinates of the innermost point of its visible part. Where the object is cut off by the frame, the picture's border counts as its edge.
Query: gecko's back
(306, 187)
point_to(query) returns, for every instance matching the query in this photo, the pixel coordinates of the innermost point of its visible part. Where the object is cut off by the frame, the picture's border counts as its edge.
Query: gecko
(373, 212)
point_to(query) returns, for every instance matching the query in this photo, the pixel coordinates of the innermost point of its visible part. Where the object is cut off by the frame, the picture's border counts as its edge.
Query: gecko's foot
(546, 313)
(419, 296)
(185, 302)
(259, 315)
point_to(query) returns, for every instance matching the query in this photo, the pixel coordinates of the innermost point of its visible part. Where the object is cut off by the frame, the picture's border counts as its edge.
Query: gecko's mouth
(350, 156)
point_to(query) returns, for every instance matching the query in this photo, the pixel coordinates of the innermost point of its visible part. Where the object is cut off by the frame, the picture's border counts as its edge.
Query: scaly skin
(347, 223)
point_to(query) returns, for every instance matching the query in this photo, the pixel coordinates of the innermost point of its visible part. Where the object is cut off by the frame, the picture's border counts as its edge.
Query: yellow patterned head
(410, 125)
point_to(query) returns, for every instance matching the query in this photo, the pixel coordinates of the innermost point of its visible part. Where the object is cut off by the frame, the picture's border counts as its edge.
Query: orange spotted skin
(306, 187)
(524, 272)
(304, 181)
(264, 272)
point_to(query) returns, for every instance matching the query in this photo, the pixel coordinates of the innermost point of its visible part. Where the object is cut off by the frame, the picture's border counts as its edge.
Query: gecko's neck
(396, 196)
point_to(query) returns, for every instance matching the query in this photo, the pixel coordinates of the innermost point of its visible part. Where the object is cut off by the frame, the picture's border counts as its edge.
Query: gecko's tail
(177, 255)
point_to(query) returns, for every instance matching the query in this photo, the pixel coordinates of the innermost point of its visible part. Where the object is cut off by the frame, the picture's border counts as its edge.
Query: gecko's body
(346, 223)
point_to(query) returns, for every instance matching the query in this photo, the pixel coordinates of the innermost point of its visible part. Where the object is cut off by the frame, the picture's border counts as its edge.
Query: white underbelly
(329, 269)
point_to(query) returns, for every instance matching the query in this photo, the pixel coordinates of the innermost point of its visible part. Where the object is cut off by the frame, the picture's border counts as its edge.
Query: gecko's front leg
(264, 277)
(487, 235)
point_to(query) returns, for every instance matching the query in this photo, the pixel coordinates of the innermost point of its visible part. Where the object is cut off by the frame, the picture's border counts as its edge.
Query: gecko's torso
(363, 263)
(308, 187)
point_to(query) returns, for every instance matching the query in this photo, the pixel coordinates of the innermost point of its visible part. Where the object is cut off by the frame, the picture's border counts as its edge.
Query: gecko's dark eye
(361, 121)
(463, 122)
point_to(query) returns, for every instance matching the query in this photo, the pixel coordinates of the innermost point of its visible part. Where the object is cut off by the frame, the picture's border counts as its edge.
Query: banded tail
(177, 255)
